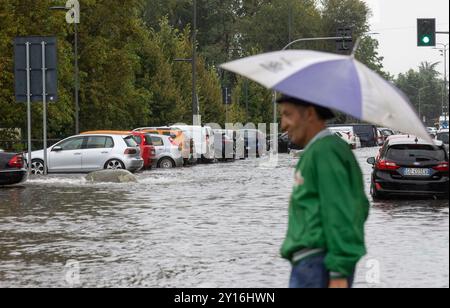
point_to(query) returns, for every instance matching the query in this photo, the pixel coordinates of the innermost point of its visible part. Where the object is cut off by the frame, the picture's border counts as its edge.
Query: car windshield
(129, 140)
(443, 137)
(412, 153)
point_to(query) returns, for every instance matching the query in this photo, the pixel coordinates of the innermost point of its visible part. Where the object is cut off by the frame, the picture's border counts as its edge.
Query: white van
(203, 137)
(347, 133)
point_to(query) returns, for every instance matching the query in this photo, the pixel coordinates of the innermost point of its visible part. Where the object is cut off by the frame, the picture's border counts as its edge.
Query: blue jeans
(311, 273)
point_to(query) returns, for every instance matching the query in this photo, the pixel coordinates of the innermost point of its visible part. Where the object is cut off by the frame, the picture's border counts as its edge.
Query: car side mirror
(371, 161)
(57, 149)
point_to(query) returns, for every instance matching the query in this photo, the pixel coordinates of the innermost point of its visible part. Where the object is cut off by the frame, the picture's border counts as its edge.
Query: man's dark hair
(323, 112)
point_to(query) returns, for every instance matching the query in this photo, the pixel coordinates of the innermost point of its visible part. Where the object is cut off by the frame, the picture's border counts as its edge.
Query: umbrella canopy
(334, 81)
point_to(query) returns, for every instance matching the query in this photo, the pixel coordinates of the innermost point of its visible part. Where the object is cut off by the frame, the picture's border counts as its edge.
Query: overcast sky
(396, 21)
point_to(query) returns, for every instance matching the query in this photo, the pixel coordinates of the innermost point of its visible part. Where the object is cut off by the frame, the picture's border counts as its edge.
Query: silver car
(167, 153)
(87, 153)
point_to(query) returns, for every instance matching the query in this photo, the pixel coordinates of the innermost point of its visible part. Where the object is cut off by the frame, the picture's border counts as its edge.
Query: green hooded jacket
(328, 207)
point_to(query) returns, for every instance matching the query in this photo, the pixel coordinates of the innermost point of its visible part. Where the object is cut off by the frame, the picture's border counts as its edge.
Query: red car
(145, 144)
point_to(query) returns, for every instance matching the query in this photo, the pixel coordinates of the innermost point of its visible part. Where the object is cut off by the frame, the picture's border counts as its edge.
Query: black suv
(407, 166)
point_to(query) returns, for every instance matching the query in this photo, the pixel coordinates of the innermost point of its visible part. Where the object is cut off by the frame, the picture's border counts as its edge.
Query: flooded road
(215, 225)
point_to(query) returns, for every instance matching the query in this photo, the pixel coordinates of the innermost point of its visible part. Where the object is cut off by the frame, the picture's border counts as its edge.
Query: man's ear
(310, 113)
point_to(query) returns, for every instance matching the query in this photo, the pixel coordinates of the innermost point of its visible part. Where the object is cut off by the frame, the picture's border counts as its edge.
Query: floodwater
(217, 225)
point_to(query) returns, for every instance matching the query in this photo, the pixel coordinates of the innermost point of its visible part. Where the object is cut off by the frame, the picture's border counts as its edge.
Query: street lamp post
(420, 102)
(195, 107)
(73, 17)
(419, 91)
(444, 50)
(193, 61)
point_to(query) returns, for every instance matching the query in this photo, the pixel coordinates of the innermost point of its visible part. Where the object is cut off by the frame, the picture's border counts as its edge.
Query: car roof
(340, 127)
(408, 139)
(108, 132)
(103, 134)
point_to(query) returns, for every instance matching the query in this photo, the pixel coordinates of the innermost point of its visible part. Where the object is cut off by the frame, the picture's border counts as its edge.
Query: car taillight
(16, 162)
(387, 165)
(442, 167)
(130, 151)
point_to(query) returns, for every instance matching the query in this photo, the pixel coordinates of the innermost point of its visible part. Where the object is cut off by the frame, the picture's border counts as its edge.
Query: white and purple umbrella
(334, 81)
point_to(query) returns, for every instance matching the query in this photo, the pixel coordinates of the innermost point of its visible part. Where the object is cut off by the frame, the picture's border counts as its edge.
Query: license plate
(416, 172)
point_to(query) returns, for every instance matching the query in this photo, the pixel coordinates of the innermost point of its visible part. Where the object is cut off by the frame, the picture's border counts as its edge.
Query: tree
(424, 89)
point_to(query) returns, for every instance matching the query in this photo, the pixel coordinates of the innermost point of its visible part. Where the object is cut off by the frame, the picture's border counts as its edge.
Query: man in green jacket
(328, 208)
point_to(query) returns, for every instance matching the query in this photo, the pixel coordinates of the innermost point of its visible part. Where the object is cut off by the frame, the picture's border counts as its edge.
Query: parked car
(179, 137)
(12, 168)
(87, 153)
(224, 144)
(442, 135)
(347, 133)
(283, 143)
(432, 131)
(407, 166)
(147, 149)
(203, 137)
(367, 133)
(254, 142)
(168, 152)
(383, 134)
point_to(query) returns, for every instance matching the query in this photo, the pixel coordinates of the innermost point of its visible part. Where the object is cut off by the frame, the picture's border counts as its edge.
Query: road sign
(344, 45)
(35, 61)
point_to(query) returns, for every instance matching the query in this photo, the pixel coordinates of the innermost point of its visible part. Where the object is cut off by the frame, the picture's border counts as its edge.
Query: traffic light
(344, 45)
(426, 32)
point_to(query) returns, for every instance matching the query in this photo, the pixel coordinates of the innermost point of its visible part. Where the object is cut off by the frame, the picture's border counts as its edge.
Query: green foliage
(425, 89)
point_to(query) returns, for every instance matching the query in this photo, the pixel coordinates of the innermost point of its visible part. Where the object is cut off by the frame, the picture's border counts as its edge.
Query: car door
(66, 156)
(96, 152)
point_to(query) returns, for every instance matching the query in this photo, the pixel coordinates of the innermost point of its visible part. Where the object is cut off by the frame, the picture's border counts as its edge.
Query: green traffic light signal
(426, 32)
(426, 40)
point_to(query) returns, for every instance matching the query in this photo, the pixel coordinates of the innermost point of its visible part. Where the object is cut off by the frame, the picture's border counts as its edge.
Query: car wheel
(37, 167)
(114, 164)
(166, 163)
(376, 195)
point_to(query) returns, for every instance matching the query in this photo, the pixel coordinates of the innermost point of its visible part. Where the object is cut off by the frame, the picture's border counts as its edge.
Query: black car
(285, 145)
(407, 166)
(12, 168)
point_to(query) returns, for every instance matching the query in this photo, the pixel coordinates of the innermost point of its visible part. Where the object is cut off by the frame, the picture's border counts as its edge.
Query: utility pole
(73, 17)
(195, 107)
